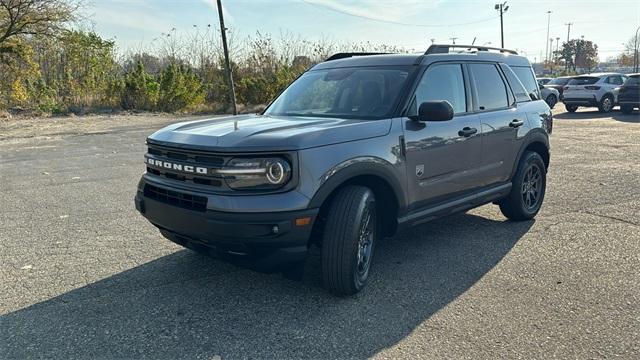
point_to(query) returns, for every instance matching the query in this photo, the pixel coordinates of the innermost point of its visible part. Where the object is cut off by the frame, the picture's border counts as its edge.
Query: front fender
(359, 166)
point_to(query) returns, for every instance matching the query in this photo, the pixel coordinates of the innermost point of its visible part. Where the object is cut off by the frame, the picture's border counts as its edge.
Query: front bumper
(258, 240)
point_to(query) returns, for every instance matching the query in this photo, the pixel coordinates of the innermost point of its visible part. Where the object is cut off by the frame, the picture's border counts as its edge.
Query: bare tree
(34, 17)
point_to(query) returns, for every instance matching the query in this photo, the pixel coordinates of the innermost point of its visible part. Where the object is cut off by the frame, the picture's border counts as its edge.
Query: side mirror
(438, 110)
(541, 86)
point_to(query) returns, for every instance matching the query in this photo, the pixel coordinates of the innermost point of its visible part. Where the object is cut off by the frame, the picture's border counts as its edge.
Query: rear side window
(584, 80)
(518, 89)
(442, 82)
(615, 80)
(491, 92)
(559, 81)
(633, 81)
(528, 79)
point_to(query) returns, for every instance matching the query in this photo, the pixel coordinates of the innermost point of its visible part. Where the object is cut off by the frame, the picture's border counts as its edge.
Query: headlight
(256, 173)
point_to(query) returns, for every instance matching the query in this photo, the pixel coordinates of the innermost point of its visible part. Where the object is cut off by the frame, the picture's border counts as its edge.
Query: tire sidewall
(367, 201)
(551, 101)
(602, 108)
(530, 159)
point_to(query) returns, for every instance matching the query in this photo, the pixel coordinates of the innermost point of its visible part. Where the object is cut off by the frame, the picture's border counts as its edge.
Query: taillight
(592, 87)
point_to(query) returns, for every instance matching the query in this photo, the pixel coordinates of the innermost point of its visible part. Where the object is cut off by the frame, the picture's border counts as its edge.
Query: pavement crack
(611, 218)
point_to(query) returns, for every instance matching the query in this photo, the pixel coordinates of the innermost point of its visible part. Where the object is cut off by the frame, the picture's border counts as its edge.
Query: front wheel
(527, 190)
(349, 239)
(606, 104)
(571, 108)
(551, 100)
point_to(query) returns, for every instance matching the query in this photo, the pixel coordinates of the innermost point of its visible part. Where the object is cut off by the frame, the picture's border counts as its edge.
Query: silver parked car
(549, 94)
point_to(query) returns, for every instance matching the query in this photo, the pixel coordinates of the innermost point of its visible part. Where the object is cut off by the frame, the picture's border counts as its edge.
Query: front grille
(175, 198)
(194, 158)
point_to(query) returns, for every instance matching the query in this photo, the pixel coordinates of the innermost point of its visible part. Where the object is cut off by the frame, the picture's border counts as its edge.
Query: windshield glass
(354, 93)
(559, 81)
(584, 80)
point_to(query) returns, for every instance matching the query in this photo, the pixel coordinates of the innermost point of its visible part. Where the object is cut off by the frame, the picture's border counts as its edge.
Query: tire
(349, 240)
(606, 104)
(529, 186)
(551, 100)
(571, 108)
(626, 109)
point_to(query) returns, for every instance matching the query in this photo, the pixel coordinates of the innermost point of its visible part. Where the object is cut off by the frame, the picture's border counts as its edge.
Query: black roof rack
(444, 49)
(352, 54)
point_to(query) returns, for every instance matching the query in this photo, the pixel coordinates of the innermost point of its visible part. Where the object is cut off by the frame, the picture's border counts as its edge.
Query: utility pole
(636, 62)
(546, 41)
(453, 39)
(557, 48)
(566, 63)
(502, 8)
(227, 63)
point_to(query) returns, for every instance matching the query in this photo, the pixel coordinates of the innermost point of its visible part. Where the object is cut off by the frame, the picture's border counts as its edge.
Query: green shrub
(140, 90)
(180, 89)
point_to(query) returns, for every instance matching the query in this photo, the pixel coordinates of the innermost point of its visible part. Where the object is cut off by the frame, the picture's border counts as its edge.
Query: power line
(391, 21)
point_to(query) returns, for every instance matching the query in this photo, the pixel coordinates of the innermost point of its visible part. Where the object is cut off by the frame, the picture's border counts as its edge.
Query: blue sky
(406, 23)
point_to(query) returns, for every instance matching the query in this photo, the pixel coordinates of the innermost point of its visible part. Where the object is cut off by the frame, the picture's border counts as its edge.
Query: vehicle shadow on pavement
(189, 306)
(634, 117)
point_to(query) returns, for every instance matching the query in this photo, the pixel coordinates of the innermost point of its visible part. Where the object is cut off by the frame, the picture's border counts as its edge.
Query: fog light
(275, 229)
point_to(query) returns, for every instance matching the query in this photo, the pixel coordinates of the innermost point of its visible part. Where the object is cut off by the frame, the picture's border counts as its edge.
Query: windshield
(584, 80)
(559, 81)
(354, 93)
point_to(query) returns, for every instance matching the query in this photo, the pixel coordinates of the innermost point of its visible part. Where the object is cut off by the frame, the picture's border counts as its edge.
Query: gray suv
(355, 149)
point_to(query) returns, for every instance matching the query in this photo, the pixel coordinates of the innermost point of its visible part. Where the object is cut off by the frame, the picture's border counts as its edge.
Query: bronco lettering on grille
(178, 167)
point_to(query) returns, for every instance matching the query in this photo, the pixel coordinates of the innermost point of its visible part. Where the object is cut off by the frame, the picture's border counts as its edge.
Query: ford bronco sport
(359, 146)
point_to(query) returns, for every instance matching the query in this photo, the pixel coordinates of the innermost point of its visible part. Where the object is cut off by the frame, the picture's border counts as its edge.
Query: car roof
(600, 74)
(420, 59)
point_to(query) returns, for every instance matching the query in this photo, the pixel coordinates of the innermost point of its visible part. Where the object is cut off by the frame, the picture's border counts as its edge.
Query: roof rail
(444, 49)
(352, 54)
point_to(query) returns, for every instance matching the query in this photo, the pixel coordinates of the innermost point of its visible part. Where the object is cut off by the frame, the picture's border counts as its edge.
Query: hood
(267, 133)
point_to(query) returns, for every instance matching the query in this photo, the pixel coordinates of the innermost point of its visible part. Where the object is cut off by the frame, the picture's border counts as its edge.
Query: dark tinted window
(633, 81)
(442, 82)
(528, 79)
(584, 80)
(516, 86)
(490, 89)
(559, 81)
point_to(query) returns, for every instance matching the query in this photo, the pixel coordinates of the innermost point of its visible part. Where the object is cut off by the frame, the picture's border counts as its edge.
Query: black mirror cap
(435, 110)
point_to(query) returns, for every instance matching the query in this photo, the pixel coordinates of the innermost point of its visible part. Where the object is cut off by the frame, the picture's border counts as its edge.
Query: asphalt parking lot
(82, 275)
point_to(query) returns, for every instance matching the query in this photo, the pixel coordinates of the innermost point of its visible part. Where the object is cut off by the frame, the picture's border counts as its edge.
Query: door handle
(467, 131)
(516, 123)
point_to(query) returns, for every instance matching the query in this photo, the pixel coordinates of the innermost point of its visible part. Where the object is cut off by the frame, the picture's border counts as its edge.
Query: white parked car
(593, 90)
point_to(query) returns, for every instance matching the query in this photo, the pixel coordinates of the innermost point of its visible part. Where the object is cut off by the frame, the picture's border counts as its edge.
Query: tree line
(47, 66)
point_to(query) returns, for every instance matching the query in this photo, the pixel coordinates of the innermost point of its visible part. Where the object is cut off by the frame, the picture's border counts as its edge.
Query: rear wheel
(528, 189)
(626, 109)
(571, 108)
(349, 240)
(606, 104)
(551, 100)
